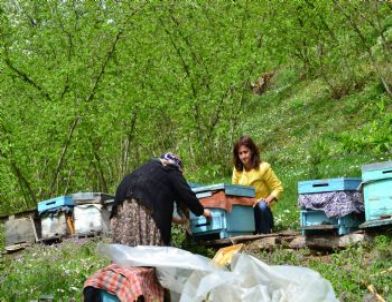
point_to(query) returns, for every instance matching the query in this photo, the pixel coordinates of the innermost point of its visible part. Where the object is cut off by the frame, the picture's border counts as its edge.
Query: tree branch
(22, 181)
(103, 67)
(187, 71)
(62, 157)
(128, 142)
(24, 77)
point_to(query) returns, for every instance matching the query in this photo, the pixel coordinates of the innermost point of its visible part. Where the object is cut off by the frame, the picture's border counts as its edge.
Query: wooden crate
(21, 228)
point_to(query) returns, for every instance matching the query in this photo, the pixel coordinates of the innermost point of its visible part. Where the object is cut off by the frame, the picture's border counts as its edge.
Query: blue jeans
(264, 220)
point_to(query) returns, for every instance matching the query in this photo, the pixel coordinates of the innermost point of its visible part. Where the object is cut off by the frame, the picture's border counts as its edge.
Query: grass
(49, 271)
(350, 271)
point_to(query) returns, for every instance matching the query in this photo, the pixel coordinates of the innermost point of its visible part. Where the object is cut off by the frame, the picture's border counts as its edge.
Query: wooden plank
(376, 223)
(16, 247)
(245, 238)
(34, 229)
(333, 242)
(320, 227)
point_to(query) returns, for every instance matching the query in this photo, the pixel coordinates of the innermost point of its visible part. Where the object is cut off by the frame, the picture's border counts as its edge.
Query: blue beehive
(54, 203)
(316, 221)
(106, 297)
(223, 224)
(377, 190)
(235, 190)
(328, 185)
(313, 221)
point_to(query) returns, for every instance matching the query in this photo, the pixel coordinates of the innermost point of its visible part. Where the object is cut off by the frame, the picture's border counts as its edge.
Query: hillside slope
(306, 134)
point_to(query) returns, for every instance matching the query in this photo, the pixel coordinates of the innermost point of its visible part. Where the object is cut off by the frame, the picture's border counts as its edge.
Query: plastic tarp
(194, 278)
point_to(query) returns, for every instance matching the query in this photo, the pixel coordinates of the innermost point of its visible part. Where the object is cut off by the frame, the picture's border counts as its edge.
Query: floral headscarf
(171, 158)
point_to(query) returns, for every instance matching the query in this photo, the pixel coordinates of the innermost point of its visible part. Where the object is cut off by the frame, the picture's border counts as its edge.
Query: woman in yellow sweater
(251, 171)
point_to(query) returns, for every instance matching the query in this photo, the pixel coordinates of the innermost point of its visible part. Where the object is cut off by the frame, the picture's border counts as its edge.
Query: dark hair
(254, 150)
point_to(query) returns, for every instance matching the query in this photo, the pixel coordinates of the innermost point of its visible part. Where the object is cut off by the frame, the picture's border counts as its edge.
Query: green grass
(53, 271)
(350, 270)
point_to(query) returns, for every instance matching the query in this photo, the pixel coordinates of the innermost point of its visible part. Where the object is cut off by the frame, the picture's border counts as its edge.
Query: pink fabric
(128, 283)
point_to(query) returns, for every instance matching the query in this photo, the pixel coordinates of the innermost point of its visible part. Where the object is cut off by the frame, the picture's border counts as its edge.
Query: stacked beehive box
(20, 229)
(91, 213)
(232, 211)
(333, 205)
(377, 193)
(56, 217)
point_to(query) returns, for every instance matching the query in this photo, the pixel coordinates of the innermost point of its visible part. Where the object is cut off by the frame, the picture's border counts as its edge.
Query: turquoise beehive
(377, 190)
(223, 224)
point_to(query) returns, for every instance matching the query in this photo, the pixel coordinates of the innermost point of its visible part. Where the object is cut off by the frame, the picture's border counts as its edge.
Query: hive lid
(91, 197)
(229, 189)
(377, 166)
(329, 185)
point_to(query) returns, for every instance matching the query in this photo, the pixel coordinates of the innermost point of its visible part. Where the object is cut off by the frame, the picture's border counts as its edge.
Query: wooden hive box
(315, 222)
(90, 219)
(231, 208)
(21, 228)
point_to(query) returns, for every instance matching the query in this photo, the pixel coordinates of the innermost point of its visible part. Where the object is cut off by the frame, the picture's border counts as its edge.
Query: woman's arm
(275, 186)
(186, 195)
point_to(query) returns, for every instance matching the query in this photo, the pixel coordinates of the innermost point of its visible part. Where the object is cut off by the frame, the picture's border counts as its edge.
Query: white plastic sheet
(194, 279)
(174, 266)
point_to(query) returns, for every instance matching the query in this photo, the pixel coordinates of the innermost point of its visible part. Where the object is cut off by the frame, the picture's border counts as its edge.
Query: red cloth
(222, 201)
(128, 283)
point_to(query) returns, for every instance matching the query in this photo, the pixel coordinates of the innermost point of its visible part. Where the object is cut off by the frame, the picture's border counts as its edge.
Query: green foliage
(2, 237)
(89, 90)
(375, 136)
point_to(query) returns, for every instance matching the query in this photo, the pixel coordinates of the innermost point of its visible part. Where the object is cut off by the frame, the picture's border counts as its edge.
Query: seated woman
(251, 171)
(143, 206)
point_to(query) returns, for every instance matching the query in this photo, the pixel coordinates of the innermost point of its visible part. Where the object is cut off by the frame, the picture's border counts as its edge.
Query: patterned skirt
(133, 225)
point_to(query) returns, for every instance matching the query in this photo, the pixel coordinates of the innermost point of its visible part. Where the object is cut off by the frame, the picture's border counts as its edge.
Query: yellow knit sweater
(263, 179)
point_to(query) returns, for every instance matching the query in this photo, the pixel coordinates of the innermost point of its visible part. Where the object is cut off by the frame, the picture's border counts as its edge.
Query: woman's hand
(179, 220)
(269, 201)
(207, 214)
(258, 201)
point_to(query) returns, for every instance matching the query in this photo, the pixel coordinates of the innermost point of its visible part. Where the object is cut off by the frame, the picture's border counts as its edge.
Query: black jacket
(157, 187)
